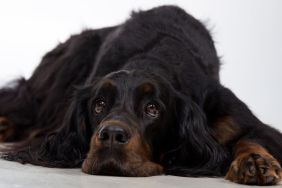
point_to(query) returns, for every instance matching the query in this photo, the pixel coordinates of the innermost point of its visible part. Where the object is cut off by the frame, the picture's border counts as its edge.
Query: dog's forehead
(131, 77)
(136, 83)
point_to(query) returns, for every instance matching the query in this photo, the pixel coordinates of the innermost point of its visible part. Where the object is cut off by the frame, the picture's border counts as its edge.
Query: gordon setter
(138, 99)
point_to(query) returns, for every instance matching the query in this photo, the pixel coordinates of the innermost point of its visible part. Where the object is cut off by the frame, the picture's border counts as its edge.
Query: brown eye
(99, 107)
(152, 110)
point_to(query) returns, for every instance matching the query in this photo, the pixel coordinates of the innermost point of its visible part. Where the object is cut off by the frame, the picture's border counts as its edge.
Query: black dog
(139, 99)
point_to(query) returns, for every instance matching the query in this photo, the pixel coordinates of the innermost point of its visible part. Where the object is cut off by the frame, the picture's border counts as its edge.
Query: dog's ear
(198, 153)
(68, 146)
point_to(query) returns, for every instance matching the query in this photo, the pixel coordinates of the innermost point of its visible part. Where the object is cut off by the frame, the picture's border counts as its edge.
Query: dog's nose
(113, 135)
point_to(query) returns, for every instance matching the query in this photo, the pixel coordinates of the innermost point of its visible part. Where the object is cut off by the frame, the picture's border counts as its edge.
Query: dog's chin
(110, 166)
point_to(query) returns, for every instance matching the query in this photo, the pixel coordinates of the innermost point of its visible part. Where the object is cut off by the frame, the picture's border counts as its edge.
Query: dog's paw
(6, 129)
(255, 169)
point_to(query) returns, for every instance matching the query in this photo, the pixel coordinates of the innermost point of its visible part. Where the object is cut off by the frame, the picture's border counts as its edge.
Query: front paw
(255, 169)
(6, 129)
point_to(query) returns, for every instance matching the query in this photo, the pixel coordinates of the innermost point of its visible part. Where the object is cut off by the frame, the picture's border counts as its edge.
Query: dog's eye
(152, 110)
(99, 106)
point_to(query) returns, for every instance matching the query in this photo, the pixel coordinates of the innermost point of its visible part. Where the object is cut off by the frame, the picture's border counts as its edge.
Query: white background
(248, 35)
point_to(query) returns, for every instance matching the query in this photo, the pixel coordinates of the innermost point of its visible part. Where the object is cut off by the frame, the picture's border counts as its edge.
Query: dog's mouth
(115, 155)
(120, 164)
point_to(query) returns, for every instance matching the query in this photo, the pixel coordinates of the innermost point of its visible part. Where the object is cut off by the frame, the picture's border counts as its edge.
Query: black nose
(113, 135)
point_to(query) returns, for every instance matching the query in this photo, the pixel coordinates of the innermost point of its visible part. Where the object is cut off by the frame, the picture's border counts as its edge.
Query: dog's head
(130, 115)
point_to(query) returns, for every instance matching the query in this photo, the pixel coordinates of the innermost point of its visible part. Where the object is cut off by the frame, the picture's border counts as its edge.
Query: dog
(142, 98)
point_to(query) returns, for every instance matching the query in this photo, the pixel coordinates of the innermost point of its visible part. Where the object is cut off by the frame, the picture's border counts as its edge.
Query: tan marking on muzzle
(137, 161)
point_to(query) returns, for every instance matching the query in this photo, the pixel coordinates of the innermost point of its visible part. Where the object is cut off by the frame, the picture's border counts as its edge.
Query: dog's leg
(17, 110)
(253, 164)
(254, 147)
(6, 129)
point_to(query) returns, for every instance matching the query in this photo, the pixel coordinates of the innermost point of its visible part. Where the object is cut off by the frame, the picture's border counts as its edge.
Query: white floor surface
(14, 175)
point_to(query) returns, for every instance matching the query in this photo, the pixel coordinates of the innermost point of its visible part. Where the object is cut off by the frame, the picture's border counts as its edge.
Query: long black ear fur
(198, 154)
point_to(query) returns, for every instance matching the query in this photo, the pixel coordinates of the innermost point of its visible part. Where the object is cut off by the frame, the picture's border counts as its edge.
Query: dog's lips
(116, 163)
(113, 168)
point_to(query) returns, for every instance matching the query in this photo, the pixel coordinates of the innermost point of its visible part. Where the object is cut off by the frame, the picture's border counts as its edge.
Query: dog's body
(147, 89)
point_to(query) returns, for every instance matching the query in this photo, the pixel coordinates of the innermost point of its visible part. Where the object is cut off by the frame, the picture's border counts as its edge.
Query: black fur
(164, 46)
